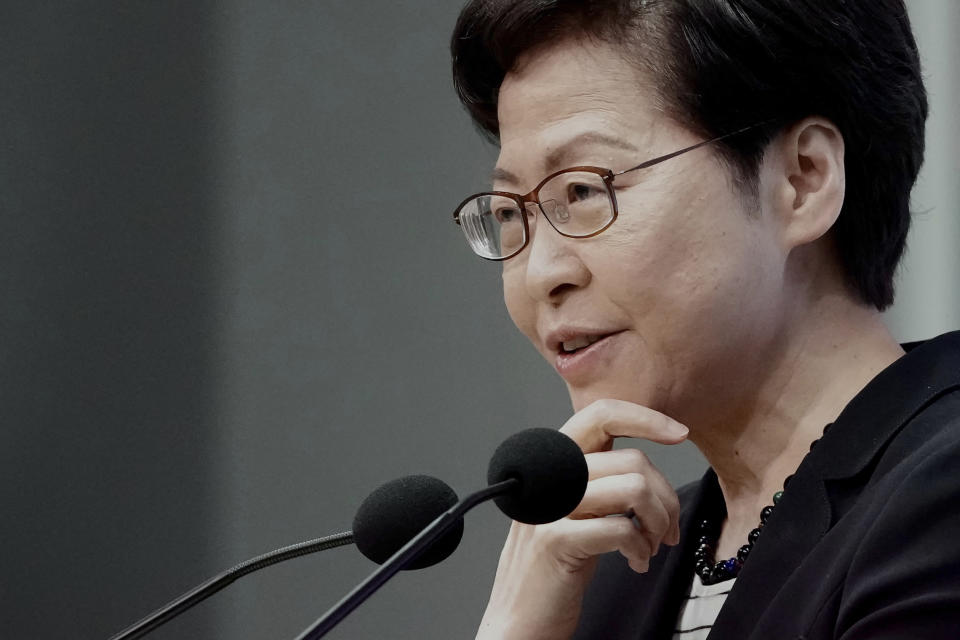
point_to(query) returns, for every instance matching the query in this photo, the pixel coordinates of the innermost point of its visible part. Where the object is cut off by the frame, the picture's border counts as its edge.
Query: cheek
(679, 259)
(642, 251)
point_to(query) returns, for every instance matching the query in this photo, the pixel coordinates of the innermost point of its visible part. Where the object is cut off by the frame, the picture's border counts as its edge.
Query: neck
(789, 392)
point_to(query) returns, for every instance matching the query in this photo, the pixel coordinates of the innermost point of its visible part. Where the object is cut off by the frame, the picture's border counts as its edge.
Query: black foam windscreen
(397, 511)
(552, 473)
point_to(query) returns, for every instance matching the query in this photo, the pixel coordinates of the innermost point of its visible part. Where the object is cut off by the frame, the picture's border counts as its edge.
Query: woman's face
(681, 284)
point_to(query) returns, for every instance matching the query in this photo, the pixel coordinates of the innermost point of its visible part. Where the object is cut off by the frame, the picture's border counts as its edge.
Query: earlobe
(812, 177)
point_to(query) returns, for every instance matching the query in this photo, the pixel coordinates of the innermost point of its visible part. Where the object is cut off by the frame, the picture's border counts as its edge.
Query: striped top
(700, 608)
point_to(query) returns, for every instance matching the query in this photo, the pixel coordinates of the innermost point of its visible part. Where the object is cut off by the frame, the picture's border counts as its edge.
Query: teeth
(579, 343)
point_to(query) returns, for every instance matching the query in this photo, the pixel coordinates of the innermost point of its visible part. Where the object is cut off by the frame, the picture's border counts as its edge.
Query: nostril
(559, 290)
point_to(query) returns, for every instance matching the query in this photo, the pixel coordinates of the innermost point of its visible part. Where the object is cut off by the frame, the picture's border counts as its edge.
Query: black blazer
(864, 544)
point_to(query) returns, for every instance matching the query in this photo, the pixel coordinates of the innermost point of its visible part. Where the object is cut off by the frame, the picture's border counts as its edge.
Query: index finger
(595, 426)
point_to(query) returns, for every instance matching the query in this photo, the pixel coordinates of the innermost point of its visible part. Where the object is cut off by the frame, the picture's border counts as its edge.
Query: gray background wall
(233, 304)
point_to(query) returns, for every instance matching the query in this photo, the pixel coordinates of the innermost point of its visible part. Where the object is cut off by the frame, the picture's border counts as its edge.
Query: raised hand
(628, 507)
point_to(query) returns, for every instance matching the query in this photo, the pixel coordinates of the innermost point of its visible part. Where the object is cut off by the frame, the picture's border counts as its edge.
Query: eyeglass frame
(607, 175)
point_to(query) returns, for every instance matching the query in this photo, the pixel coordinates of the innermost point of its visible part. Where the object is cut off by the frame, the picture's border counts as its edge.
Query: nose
(554, 266)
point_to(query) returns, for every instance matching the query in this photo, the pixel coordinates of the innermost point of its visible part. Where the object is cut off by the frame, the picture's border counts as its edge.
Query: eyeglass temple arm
(650, 163)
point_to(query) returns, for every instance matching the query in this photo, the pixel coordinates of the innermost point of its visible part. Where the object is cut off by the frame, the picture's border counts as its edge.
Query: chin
(581, 398)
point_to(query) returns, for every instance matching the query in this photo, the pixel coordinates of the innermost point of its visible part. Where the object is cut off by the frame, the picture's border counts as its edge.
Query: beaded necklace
(712, 572)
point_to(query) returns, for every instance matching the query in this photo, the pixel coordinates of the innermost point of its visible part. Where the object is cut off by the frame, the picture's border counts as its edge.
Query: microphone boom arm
(400, 559)
(203, 591)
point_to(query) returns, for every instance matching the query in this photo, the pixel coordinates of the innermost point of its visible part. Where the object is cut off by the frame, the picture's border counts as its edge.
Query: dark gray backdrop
(234, 303)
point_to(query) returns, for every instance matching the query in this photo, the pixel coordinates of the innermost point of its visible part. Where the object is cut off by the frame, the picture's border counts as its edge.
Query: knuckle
(660, 527)
(625, 527)
(673, 505)
(641, 546)
(636, 484)
(636, 458)
(629, 534)
(636, 538)
(603, 410)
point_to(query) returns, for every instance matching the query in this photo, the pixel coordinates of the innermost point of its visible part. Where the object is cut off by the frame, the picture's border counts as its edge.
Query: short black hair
(721, 65)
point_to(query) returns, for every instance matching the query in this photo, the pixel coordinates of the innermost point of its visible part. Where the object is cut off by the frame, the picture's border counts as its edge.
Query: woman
(699, 206)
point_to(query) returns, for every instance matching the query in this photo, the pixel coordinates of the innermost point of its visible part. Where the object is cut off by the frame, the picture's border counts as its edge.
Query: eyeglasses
(578, 202)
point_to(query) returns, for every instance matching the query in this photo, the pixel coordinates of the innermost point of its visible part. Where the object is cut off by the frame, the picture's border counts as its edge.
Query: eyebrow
(558, 155)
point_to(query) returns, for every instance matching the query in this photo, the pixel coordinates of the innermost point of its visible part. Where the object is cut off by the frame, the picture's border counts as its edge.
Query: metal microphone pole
(400, 559)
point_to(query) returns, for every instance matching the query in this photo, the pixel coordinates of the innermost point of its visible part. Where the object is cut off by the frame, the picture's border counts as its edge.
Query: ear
(804, 181)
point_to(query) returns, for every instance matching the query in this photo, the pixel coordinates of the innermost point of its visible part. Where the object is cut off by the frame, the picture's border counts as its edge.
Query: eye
(506, 215)
(578, 192)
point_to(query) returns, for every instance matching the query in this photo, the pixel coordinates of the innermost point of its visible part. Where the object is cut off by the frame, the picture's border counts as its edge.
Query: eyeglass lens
(576, 203)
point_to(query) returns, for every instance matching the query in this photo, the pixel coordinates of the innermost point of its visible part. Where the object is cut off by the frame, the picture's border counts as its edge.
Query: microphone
(536, 475)
(397, 511)
(387, 519)
(552, 473)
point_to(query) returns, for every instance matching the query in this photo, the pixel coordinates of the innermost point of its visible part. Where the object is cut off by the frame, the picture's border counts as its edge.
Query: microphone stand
(201, 592)
(401, 558)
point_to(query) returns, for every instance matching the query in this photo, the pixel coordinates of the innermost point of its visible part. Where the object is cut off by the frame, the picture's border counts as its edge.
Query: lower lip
(572, 366)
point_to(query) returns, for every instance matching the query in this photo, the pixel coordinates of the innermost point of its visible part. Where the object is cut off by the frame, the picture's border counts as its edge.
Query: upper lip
(556, 337)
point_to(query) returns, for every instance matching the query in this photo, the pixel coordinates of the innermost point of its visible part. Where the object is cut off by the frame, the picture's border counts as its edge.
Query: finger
(612, 463)
(628, 493)
(625, 461)
(595, 427)
(583, 539)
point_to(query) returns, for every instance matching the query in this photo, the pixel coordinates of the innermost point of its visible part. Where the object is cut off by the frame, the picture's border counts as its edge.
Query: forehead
(568, 89)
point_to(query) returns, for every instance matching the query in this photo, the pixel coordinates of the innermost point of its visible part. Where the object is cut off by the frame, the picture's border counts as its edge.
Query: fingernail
(679, 429)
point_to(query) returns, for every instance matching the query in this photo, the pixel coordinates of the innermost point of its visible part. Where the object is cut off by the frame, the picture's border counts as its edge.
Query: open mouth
(579, 357)
(579, 344)
(582, 342)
